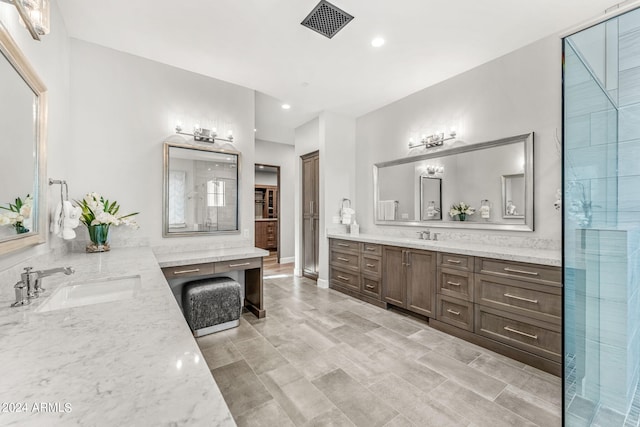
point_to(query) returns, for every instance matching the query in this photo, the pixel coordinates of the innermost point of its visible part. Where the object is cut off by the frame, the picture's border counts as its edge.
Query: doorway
(267, 212)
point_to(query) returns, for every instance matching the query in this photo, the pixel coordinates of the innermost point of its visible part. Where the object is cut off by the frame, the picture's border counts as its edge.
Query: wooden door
(310, 214)
(421, 282)
(393, 276)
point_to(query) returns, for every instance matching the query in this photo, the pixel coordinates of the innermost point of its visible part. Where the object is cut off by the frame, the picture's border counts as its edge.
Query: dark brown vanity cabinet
(409, 278)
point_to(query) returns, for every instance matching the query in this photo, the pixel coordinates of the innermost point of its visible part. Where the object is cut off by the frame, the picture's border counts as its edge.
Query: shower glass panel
(601, 209)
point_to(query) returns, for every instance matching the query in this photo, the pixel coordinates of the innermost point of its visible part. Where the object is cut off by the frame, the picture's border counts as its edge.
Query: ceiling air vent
(327, 19)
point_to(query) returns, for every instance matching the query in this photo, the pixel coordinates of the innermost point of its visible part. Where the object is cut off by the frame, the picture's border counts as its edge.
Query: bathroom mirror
(22, 136)
(430, 198)
(200, 190)
(488, 174)
(513, 200)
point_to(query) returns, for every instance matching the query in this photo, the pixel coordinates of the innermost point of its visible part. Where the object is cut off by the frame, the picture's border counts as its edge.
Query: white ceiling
(260, 44)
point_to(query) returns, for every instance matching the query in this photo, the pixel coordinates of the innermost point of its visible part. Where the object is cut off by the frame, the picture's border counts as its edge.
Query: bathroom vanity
(508, 300)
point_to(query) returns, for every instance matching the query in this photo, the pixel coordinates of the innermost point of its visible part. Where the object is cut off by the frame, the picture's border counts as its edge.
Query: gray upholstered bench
(211, 305)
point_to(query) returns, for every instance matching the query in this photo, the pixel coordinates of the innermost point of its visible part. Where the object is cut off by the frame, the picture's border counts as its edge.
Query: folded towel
(387, 209)
(70, 220)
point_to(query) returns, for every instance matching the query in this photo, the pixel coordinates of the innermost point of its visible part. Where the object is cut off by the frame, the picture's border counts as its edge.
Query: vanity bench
(508, 300)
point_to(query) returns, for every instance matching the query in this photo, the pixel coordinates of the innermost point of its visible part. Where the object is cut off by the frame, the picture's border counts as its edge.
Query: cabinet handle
(345, 245)
(343, 278)
(370, 265)
(408, 258)
(343, 259)
(457, 313)
(239, 265)
(311, 207)
(513, 270)
(515, 331)
(369, 286)
(195, 270)
(533, 301)
(403, 263)
(453, 283)
(454, 261)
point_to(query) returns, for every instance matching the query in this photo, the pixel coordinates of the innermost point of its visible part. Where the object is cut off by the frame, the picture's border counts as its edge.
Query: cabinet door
(308, 246)
(421, 282)
(393, 277)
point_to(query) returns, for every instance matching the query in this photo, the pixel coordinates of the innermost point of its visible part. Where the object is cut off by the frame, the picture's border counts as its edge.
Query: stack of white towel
(387, 210)
(347, 215)
(65, 219)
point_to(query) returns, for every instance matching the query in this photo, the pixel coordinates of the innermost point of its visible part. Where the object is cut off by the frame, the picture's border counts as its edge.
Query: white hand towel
(56, 219)
(70, 220)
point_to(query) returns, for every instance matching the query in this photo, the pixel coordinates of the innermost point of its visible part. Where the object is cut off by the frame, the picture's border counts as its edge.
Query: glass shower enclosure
(601, 217)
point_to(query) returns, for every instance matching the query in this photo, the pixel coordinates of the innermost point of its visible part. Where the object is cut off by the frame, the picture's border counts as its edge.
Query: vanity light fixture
(204, 135)
(34, 14)
(286, 106)
(435, 140)
(433, 169)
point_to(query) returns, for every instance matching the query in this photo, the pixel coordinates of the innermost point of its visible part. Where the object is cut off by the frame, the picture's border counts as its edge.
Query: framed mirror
(200, 191)
(23, 120)
(430, 198)
(483, 176)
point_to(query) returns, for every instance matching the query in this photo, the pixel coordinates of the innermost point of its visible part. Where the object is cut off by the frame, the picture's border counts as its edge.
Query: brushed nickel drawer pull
(453, 283)
(343, 278)
(370, 265)
(533, 301)
(524, 334)
(369, 286)
(195, 270)
(457, 313)
(370, 249)
(513, 270)
(239, 265)
(343, 259)
(344, 245)
(454, 261)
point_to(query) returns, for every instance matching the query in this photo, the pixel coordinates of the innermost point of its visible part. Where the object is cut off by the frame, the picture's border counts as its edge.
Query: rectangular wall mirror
(22, 143)
(200, 190)
(496, 176)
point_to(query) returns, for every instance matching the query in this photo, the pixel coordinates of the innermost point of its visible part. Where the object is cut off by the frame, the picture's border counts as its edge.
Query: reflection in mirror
(430, 198)
(201, 190)
(480, 175)
(22, 105)
(513, 200)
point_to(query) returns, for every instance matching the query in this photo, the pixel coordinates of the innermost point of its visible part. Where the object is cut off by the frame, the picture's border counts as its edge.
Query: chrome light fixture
(34, 14)
(435, 140)
(205, 135)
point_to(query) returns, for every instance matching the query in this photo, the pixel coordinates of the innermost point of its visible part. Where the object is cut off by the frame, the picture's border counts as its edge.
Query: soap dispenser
(354, 229)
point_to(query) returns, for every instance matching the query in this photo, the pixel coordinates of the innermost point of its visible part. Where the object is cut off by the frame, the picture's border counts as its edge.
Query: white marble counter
(212, 255)
(530, 255)
(129, 362)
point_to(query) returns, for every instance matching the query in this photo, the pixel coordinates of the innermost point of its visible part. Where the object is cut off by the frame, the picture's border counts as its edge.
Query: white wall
(123, 108)
(283, 155)
(50, 59)
(515, 94)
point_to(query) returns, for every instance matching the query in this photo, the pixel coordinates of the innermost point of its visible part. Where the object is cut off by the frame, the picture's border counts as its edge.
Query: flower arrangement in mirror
(18, 215)
(461, 210)
(98, 214)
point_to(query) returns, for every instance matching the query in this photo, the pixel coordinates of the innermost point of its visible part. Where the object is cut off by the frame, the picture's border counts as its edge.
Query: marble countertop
(530, 255)
(211, 255)
(128, 362)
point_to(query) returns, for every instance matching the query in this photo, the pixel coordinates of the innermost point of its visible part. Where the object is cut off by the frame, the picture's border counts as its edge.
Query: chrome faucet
(30, 287)
(424, 235)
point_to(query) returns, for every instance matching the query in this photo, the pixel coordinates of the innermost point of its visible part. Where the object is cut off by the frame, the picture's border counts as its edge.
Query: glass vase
(99, 236)
(462, 217)
(20, 228)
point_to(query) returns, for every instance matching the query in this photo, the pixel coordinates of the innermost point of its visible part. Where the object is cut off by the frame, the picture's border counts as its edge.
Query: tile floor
(321, 358)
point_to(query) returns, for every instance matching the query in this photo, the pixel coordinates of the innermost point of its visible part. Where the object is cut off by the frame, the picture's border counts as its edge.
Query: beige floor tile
(530, 407)
(544, 389)
(240, 386)
(411, 371)
(221, 354)
(357, 340)
(332, 418)
(400, 343)
(269, 414)
(400, 421)
(505, 372)
(260, 355)
(459, 350)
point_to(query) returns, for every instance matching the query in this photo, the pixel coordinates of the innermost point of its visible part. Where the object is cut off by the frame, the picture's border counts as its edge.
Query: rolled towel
(56, 220)
(70, 220)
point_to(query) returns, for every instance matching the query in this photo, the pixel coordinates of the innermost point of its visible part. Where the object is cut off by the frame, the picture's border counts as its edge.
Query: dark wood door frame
(314, 216)
(277, 201)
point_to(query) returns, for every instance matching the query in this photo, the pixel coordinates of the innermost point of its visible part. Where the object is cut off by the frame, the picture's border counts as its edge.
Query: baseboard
(297, 272)
(323, 283)
(287, 260)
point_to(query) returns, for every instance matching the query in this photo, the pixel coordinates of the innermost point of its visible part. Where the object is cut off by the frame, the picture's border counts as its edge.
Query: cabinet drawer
(345, 245)
(188, 270)
(529, 299)
(371, 249)
(346, 260)
(455, 283)
(530, 272)
(459, 262)
(371, 265)
(455, 312)
(238, 264)
(371, 286)
(345, 278)
(534, 336)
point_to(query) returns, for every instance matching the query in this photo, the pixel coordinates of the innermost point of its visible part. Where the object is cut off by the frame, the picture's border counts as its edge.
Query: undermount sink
(92, 292)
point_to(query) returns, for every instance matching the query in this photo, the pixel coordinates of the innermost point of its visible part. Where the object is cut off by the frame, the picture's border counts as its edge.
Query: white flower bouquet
(461, 210)
(98, 214)
(18, 215)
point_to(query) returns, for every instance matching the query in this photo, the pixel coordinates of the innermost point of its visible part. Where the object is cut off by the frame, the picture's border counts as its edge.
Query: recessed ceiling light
(286, 106)
(255, 130)
(377, 42)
